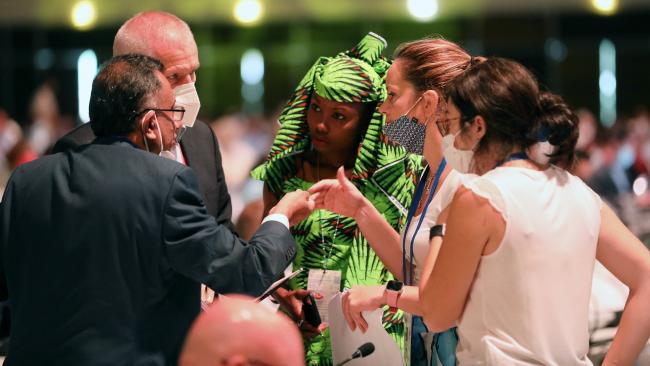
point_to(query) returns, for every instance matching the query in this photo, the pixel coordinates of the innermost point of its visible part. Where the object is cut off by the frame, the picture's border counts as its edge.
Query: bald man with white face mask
(169, 39)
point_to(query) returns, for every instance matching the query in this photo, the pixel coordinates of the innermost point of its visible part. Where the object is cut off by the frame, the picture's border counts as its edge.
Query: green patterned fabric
(383, 172)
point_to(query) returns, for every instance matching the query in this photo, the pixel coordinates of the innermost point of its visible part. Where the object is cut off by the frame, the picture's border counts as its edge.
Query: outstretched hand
(296, 205)
(338, 195)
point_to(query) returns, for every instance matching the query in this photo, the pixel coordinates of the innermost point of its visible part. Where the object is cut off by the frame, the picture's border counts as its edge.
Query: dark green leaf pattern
(383, 172)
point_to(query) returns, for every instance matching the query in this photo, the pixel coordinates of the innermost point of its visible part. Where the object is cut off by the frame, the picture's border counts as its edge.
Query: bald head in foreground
(237, 331)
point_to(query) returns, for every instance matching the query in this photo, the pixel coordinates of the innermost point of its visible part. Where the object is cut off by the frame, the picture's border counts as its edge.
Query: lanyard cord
(320, 223)
(520, 155)
(418, 195)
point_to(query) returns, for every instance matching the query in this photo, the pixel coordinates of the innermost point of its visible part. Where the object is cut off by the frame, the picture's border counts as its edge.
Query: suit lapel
(189, 149)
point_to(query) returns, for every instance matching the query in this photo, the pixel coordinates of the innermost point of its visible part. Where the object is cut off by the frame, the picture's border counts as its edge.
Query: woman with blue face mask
(521, 240)
(415, 114)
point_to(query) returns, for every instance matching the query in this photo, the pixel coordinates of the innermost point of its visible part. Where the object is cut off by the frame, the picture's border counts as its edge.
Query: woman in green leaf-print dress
(330, 121)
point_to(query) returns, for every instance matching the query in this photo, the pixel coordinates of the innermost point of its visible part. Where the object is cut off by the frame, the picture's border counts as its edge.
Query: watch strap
(437, 230)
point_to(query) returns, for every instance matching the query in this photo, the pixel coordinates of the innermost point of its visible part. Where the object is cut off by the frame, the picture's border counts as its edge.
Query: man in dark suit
(103, 247)
(169, 39)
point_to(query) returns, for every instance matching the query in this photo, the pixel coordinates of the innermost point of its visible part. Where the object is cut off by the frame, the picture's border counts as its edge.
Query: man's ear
(430, 99)
(148, 125)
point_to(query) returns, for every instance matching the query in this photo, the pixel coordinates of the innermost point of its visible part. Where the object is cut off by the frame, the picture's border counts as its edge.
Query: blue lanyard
(514, 156)
(416, 199)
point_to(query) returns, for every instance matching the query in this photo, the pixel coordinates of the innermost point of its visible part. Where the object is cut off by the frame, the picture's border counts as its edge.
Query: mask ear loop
(468, 123)
(413, 106)
(159, 134)
(143, 130)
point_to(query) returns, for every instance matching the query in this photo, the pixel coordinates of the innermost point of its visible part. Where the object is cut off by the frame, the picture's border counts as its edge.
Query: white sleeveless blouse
(529, 301)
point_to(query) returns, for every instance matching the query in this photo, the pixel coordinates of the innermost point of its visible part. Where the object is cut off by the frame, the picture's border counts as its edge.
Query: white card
(327, 283)
(345, 342)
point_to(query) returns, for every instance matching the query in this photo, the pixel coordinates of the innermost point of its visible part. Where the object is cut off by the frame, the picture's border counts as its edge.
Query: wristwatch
(437, 230)
(393, 291)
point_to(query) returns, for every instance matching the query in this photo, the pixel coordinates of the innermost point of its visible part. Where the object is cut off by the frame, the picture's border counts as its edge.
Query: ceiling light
(605, 7)
(248, 11)
(83, 15)
(422, 10)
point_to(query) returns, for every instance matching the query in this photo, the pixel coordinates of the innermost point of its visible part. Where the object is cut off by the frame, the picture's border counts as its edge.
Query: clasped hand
(296, 206)
(338, 195)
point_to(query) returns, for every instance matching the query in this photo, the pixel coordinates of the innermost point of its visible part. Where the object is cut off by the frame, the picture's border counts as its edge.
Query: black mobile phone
(310, 311)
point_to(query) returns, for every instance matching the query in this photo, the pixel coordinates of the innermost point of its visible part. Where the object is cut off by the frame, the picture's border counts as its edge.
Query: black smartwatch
(437, 230)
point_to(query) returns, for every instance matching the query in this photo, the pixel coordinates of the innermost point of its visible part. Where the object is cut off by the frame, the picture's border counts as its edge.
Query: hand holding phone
(310, 311)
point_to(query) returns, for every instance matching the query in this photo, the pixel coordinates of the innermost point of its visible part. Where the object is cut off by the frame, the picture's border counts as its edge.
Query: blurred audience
(14, 149)
(243, 142)
(47, 123)
(238, 331)
(587, 129)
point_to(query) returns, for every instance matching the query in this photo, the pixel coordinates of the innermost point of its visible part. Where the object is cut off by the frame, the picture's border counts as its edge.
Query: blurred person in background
(640, 141)
(14, 149)
(332, 121)
(587, 155)
(614, 156)
(236, 331)
(588, 128)
(47, 122)
(583, 168)
(243, 146)
(639, 171)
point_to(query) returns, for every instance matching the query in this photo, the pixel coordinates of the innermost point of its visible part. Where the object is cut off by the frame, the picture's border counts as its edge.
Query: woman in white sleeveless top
(521, 241)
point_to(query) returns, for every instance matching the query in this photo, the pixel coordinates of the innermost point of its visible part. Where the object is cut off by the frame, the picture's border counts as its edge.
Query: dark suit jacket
(102, 249)
(201, 151)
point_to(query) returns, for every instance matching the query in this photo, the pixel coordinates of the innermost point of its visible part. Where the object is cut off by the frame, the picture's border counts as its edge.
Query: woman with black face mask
(416, 119)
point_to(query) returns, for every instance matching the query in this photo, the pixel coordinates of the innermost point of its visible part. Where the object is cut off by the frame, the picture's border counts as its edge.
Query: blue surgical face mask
(407, 132)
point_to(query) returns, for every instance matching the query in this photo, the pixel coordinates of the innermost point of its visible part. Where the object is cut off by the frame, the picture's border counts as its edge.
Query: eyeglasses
(176, 113)
(443, 125)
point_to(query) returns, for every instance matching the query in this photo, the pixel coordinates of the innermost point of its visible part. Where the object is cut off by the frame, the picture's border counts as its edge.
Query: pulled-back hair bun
(560, 127)
(517, 114)
(475, 60)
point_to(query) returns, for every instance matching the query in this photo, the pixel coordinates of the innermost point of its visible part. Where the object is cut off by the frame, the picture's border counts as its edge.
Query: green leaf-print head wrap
(355, 75)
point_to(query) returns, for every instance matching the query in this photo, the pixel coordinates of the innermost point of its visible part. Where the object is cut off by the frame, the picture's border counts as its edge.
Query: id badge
(327, 283)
